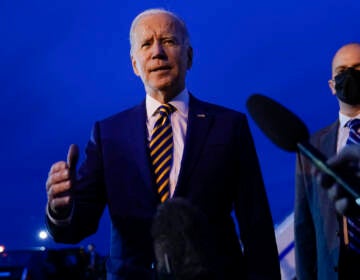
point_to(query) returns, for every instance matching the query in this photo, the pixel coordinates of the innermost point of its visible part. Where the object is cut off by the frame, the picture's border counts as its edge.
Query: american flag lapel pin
(201, 115)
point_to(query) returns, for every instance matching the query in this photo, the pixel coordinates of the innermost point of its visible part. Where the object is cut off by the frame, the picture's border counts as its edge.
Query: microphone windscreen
(183, 242)
(280, 125)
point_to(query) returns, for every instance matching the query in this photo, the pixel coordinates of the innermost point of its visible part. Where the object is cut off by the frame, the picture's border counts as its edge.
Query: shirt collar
(180, 102)
(344, 119)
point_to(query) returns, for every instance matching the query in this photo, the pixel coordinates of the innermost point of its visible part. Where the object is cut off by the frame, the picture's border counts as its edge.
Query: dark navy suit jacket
(219, 173)
(317, 237)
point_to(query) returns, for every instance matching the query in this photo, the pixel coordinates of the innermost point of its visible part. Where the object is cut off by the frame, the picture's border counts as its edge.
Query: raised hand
(59, 183)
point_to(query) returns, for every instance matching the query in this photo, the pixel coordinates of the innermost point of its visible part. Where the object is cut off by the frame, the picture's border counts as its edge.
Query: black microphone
(183, 242)
(288, 131)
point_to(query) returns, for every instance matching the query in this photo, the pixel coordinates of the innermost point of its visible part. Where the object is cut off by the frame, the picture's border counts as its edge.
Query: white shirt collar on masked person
(343, 132)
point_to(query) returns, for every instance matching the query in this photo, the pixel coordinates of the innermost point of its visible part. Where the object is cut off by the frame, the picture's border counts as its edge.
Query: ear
(189, 57)
(332, 86)
(134, 66)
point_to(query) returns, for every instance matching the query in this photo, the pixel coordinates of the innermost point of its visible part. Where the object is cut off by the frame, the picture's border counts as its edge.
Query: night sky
(65, 64)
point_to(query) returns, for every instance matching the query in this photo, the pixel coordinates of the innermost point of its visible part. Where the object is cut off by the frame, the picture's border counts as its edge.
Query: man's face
(348, 56)
(159, 55)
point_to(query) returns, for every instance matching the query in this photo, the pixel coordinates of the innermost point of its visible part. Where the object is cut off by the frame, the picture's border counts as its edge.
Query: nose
(158, 51)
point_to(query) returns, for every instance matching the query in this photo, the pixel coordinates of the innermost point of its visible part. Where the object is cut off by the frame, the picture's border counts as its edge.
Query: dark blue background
(65, 64)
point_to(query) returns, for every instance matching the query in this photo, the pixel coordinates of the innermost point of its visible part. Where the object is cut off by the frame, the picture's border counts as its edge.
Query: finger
(58, 166)
(60, 203)
(73, 156)
(59, 189)
(58, 177)
(324, 180)
(335, 192)
(342, 206)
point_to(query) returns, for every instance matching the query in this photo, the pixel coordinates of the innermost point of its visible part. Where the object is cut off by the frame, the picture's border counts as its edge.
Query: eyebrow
(171, 37)
(345, 67)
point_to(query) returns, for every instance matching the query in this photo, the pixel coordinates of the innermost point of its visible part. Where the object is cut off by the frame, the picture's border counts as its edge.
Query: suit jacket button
(338, 233)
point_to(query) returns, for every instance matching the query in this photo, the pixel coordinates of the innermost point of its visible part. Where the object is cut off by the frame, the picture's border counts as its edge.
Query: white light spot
(43, 234)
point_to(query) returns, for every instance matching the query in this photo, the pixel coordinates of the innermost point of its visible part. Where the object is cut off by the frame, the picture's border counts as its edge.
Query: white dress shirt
(343, 132)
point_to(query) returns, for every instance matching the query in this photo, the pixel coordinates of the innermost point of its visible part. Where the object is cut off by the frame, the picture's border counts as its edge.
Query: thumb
(73, 156)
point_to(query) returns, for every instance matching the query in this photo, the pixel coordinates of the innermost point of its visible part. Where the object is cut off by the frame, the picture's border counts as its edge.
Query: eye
(340, 70)
(145, 44)
(169, 42)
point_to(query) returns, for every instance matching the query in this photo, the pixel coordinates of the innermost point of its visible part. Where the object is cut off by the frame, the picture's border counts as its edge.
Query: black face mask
(347, 86)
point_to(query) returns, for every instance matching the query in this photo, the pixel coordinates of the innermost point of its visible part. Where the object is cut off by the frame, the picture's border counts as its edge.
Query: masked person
(322, 247)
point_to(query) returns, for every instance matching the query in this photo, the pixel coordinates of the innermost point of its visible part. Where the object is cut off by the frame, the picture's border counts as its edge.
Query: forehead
(157, 24)
(347, 56)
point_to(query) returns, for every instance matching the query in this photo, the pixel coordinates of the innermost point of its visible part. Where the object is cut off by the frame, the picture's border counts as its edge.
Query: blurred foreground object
(49, 264)
(183, 244)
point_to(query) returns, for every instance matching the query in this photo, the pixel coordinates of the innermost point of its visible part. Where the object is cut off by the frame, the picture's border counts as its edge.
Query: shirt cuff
(56, 221)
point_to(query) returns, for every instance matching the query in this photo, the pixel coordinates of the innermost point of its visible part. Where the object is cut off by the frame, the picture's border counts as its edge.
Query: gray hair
(184, 30)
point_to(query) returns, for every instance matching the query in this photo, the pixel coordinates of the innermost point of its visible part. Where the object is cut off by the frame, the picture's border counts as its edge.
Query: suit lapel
(329, 140)
(329, 218)
(199, 123)
(138, 137)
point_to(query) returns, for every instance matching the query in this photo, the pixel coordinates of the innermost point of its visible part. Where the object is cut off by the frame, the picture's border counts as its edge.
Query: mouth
(160, 68)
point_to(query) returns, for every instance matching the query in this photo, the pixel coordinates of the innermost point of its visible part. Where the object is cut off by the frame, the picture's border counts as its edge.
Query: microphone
(183, 242)
(287, 131)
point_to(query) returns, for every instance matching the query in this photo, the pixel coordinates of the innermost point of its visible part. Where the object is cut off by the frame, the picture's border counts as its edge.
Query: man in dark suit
(214, 166)
(320, 248)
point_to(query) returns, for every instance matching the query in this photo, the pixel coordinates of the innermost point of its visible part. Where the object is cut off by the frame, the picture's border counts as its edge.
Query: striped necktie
(353, 224)
(161, 150)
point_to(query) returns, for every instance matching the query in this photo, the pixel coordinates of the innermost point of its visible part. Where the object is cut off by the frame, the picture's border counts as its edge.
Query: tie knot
(353, 124)
(166, 109)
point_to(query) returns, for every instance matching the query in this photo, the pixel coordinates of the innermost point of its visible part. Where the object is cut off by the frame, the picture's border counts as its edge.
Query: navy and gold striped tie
(353, 224)
(161, 150)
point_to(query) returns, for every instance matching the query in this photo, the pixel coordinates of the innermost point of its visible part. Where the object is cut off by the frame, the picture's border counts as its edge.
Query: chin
(163, 86)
